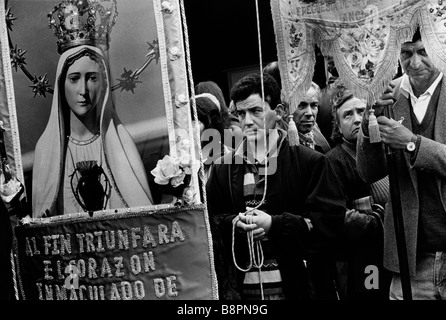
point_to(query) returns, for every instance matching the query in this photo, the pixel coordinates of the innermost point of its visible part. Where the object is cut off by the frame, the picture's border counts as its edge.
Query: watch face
(411, 146)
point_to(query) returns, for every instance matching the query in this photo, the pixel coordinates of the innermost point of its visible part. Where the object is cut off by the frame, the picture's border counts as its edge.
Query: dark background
(223, 40)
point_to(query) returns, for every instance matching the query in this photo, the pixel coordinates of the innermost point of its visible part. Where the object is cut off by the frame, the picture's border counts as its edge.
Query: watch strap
(413, 154)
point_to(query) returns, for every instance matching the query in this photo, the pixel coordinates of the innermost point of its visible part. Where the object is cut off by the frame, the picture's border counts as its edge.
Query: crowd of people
(311, 220)
(314, 220)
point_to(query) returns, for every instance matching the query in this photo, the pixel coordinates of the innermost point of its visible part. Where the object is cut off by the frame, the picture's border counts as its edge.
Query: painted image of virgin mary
(85, 159)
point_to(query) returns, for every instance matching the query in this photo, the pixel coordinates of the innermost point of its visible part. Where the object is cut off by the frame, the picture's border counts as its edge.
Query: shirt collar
(406, 88)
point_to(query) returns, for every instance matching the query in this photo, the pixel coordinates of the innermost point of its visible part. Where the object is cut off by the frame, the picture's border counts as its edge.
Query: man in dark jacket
(277, 208)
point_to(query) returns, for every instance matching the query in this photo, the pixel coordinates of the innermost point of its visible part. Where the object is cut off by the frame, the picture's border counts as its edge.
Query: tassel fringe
(373, 128)
(412, 15)
(293, 135)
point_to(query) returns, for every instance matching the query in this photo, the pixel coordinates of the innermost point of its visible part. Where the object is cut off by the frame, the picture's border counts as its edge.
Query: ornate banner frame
(363, 38)
(136, 256)
(146, 44)
(148, 70)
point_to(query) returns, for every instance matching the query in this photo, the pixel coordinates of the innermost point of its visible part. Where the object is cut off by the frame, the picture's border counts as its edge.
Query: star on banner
(153, 49)
(128, 80)
(9, 16)
(17, 57)
(40, 85)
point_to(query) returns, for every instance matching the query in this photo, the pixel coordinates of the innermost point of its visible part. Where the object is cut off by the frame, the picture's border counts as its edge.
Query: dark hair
(209, 114)
(251, 84)
(212, 88)
(272, 69)
(417, 35)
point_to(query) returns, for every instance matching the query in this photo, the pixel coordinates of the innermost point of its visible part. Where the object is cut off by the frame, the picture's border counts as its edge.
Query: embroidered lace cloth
(362, 37)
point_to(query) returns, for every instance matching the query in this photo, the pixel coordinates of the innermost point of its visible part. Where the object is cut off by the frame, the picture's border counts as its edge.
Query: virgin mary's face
(84, 86)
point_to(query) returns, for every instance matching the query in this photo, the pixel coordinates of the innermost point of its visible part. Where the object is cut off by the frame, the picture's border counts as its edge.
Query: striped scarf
(268, 279)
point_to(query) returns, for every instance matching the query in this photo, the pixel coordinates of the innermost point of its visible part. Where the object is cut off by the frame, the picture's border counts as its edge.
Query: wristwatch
(410, 146)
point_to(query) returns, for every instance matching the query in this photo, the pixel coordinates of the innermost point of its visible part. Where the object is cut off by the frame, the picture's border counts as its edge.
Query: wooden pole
(398, 218)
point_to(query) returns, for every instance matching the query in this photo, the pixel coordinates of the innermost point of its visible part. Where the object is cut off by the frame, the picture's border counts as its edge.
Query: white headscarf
(211, 97)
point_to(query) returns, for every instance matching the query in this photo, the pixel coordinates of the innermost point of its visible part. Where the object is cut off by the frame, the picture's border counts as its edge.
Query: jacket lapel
(236, 174)
(440, 129)
(440, 118)
(401, 109)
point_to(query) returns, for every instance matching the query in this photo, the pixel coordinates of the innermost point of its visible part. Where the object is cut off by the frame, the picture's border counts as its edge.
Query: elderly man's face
(416, 63)
(306, 112)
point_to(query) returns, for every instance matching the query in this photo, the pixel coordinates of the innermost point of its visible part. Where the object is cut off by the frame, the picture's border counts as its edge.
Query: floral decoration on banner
(296, 33)
(363, 37)
(363, 49)
(181, 100)
(296, 42)
(10, 189)
(166, 7)
(437, 14)
(175, 53)
(173, 172)
(438, 9)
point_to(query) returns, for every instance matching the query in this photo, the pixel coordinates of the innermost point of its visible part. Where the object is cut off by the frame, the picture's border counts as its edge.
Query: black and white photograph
(240, 152)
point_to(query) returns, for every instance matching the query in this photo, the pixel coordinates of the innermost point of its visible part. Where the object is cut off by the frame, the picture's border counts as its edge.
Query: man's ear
(280, 110)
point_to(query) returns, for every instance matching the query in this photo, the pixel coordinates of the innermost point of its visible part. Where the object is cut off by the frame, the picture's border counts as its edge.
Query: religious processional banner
(363, 37)
(160, 255)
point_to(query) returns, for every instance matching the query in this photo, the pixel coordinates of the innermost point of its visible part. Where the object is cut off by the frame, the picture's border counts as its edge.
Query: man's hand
(393, 133)
(351, 215)
(386, 99)
(245, 226)
(357, 223)
(257, 221)
(260, 218)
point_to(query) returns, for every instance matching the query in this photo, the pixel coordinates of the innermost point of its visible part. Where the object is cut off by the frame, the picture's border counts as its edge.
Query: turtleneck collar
(349, 144)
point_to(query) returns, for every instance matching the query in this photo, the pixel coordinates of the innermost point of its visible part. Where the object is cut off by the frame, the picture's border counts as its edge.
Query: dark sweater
(345, 167)
(361, 243)
(432, 223)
